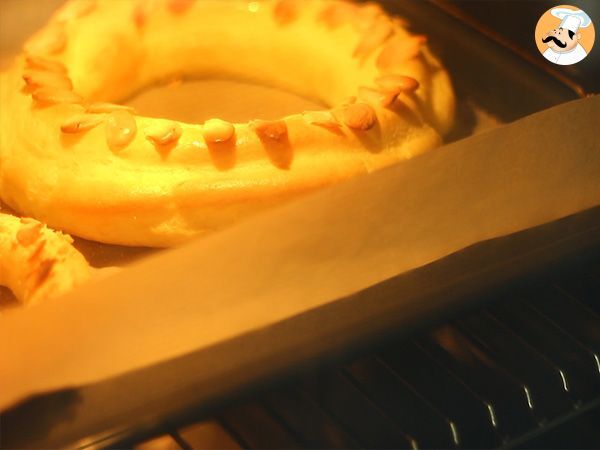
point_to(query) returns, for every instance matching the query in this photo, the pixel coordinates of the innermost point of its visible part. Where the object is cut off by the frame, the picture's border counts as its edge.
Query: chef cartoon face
(561, 40)
(564, 35)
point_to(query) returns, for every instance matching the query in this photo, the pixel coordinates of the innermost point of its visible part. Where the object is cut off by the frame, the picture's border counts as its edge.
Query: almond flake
(217, 130)
(55, 96)
(36, 79)
(164, 133)
(397, 83)
(377, 97)
(322, 118)
(80, 123)
(358, 116)
(120, 129)
(275, 130)
(40, 63)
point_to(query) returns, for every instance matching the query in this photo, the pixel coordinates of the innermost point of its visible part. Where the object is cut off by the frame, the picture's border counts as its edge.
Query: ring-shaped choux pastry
(72, 157)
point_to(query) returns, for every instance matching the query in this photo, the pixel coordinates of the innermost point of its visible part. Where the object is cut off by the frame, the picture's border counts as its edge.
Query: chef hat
(572, 19)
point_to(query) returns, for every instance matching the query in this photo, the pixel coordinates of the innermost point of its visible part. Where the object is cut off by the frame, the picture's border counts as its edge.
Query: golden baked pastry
(37, 263)
(73, 158)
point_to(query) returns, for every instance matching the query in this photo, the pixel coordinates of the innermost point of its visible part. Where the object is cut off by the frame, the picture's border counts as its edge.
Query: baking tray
(491, 82)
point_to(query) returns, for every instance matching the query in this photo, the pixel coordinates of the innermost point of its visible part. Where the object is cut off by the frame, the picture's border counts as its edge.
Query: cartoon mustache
(556, 41)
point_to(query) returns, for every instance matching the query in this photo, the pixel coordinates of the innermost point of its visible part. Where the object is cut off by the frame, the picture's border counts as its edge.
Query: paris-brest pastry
(75, 159)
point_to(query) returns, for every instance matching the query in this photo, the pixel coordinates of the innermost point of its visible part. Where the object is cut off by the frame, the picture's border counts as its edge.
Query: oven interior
(516, 366)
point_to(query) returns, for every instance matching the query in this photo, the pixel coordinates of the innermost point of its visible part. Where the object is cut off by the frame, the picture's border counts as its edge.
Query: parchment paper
(309, 253)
